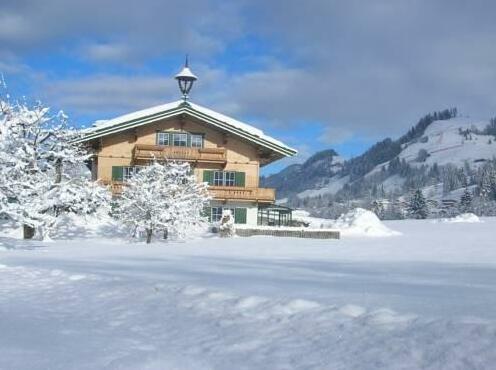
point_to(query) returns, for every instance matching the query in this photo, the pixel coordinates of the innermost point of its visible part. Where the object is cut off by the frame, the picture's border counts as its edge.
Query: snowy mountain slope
(335, 184)
(458, 141)
(445, 143)
(314, 172)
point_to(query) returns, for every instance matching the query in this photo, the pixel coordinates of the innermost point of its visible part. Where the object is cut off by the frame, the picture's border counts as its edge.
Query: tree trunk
(166, 234)
(58, 171)
(148, 236)
(28, 232)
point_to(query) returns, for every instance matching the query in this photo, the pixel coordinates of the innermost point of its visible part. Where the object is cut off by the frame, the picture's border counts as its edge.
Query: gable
(180, 108)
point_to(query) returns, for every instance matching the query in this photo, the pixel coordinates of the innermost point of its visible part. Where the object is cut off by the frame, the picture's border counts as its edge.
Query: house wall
(116, 149)
(251, 209)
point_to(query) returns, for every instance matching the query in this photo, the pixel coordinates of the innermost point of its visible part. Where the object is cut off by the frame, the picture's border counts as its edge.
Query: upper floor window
(218, 178)
(163, 138)
(230, 178)
(180, 139)
(196, 141)
(224, 178)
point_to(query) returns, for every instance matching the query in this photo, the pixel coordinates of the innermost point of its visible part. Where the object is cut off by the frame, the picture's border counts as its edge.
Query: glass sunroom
(274, 215)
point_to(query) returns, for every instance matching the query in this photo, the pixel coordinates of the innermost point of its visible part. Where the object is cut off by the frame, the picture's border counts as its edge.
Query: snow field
(253, 303)
(101, 323)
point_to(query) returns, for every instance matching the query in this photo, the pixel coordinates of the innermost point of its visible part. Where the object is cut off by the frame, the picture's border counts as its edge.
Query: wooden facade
(229, 162)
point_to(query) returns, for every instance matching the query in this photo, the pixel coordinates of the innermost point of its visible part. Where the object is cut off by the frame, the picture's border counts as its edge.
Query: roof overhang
(187, 109)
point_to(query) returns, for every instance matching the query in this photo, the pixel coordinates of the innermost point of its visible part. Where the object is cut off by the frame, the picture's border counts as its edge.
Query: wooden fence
(298, 233)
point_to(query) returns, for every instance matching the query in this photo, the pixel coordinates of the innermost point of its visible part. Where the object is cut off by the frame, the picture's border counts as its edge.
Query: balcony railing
(115, 186)
(261, 195)
(206, 155)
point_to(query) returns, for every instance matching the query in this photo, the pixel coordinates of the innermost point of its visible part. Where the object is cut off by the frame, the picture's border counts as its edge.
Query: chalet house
(222, 151)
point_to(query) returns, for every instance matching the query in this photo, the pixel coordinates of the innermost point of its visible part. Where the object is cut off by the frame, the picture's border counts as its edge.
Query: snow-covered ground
(424, 299)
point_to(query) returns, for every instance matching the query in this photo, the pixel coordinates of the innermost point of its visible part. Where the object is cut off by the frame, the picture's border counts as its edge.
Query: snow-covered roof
(142, 117)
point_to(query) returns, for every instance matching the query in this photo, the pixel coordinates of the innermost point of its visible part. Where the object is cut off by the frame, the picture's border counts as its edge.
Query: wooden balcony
(204, 155)
(261, 195)
(222, 193)
(115, 186)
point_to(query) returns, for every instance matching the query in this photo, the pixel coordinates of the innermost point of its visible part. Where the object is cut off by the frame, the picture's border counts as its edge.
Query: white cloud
(358, 68)
(107, 52)
(109, 94)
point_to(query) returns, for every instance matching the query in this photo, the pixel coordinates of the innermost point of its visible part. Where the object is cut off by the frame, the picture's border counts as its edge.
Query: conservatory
(274, 215)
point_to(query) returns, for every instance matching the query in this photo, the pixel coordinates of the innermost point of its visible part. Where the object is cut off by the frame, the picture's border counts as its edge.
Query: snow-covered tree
(37, 164)
(162, 198)
(378, 209)
(227, 227)
(418, 207)
(466, 199)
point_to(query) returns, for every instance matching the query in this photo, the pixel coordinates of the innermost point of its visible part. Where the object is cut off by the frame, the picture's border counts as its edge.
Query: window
(180, 139)
(163, 138)
(232, 211)
(229, 178)
(224, 178)
(218, 178)
(127, 173)
(197, 141)
(216, 214)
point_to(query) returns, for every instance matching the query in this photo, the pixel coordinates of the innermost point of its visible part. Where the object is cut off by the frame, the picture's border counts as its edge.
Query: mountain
(441, 155)
(315, 172)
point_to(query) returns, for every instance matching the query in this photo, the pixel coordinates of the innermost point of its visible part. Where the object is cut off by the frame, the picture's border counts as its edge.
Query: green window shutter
(117, 173)
(240, 216)
(239, 179)
(207, 212)
(208, 176)
(188, 140)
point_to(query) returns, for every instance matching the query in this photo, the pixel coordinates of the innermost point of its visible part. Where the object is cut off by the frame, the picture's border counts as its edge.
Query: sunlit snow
(422, 299)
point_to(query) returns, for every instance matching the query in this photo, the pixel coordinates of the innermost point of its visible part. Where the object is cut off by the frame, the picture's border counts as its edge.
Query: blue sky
(317, 74)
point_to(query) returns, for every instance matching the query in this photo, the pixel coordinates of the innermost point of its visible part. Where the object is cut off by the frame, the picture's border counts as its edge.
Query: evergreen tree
(378, 209)
(417, 207)
(466, 201)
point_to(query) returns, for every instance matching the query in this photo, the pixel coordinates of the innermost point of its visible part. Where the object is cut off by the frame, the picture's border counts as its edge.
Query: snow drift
(361, 222)
(464, 217)
(357, 222)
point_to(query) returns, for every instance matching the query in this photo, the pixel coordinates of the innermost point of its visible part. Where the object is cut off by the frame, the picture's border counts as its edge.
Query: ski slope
(424, 298)
(445, 144)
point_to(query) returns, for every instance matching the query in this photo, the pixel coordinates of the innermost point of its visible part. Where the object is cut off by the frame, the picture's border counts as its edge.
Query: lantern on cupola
(185, 79)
